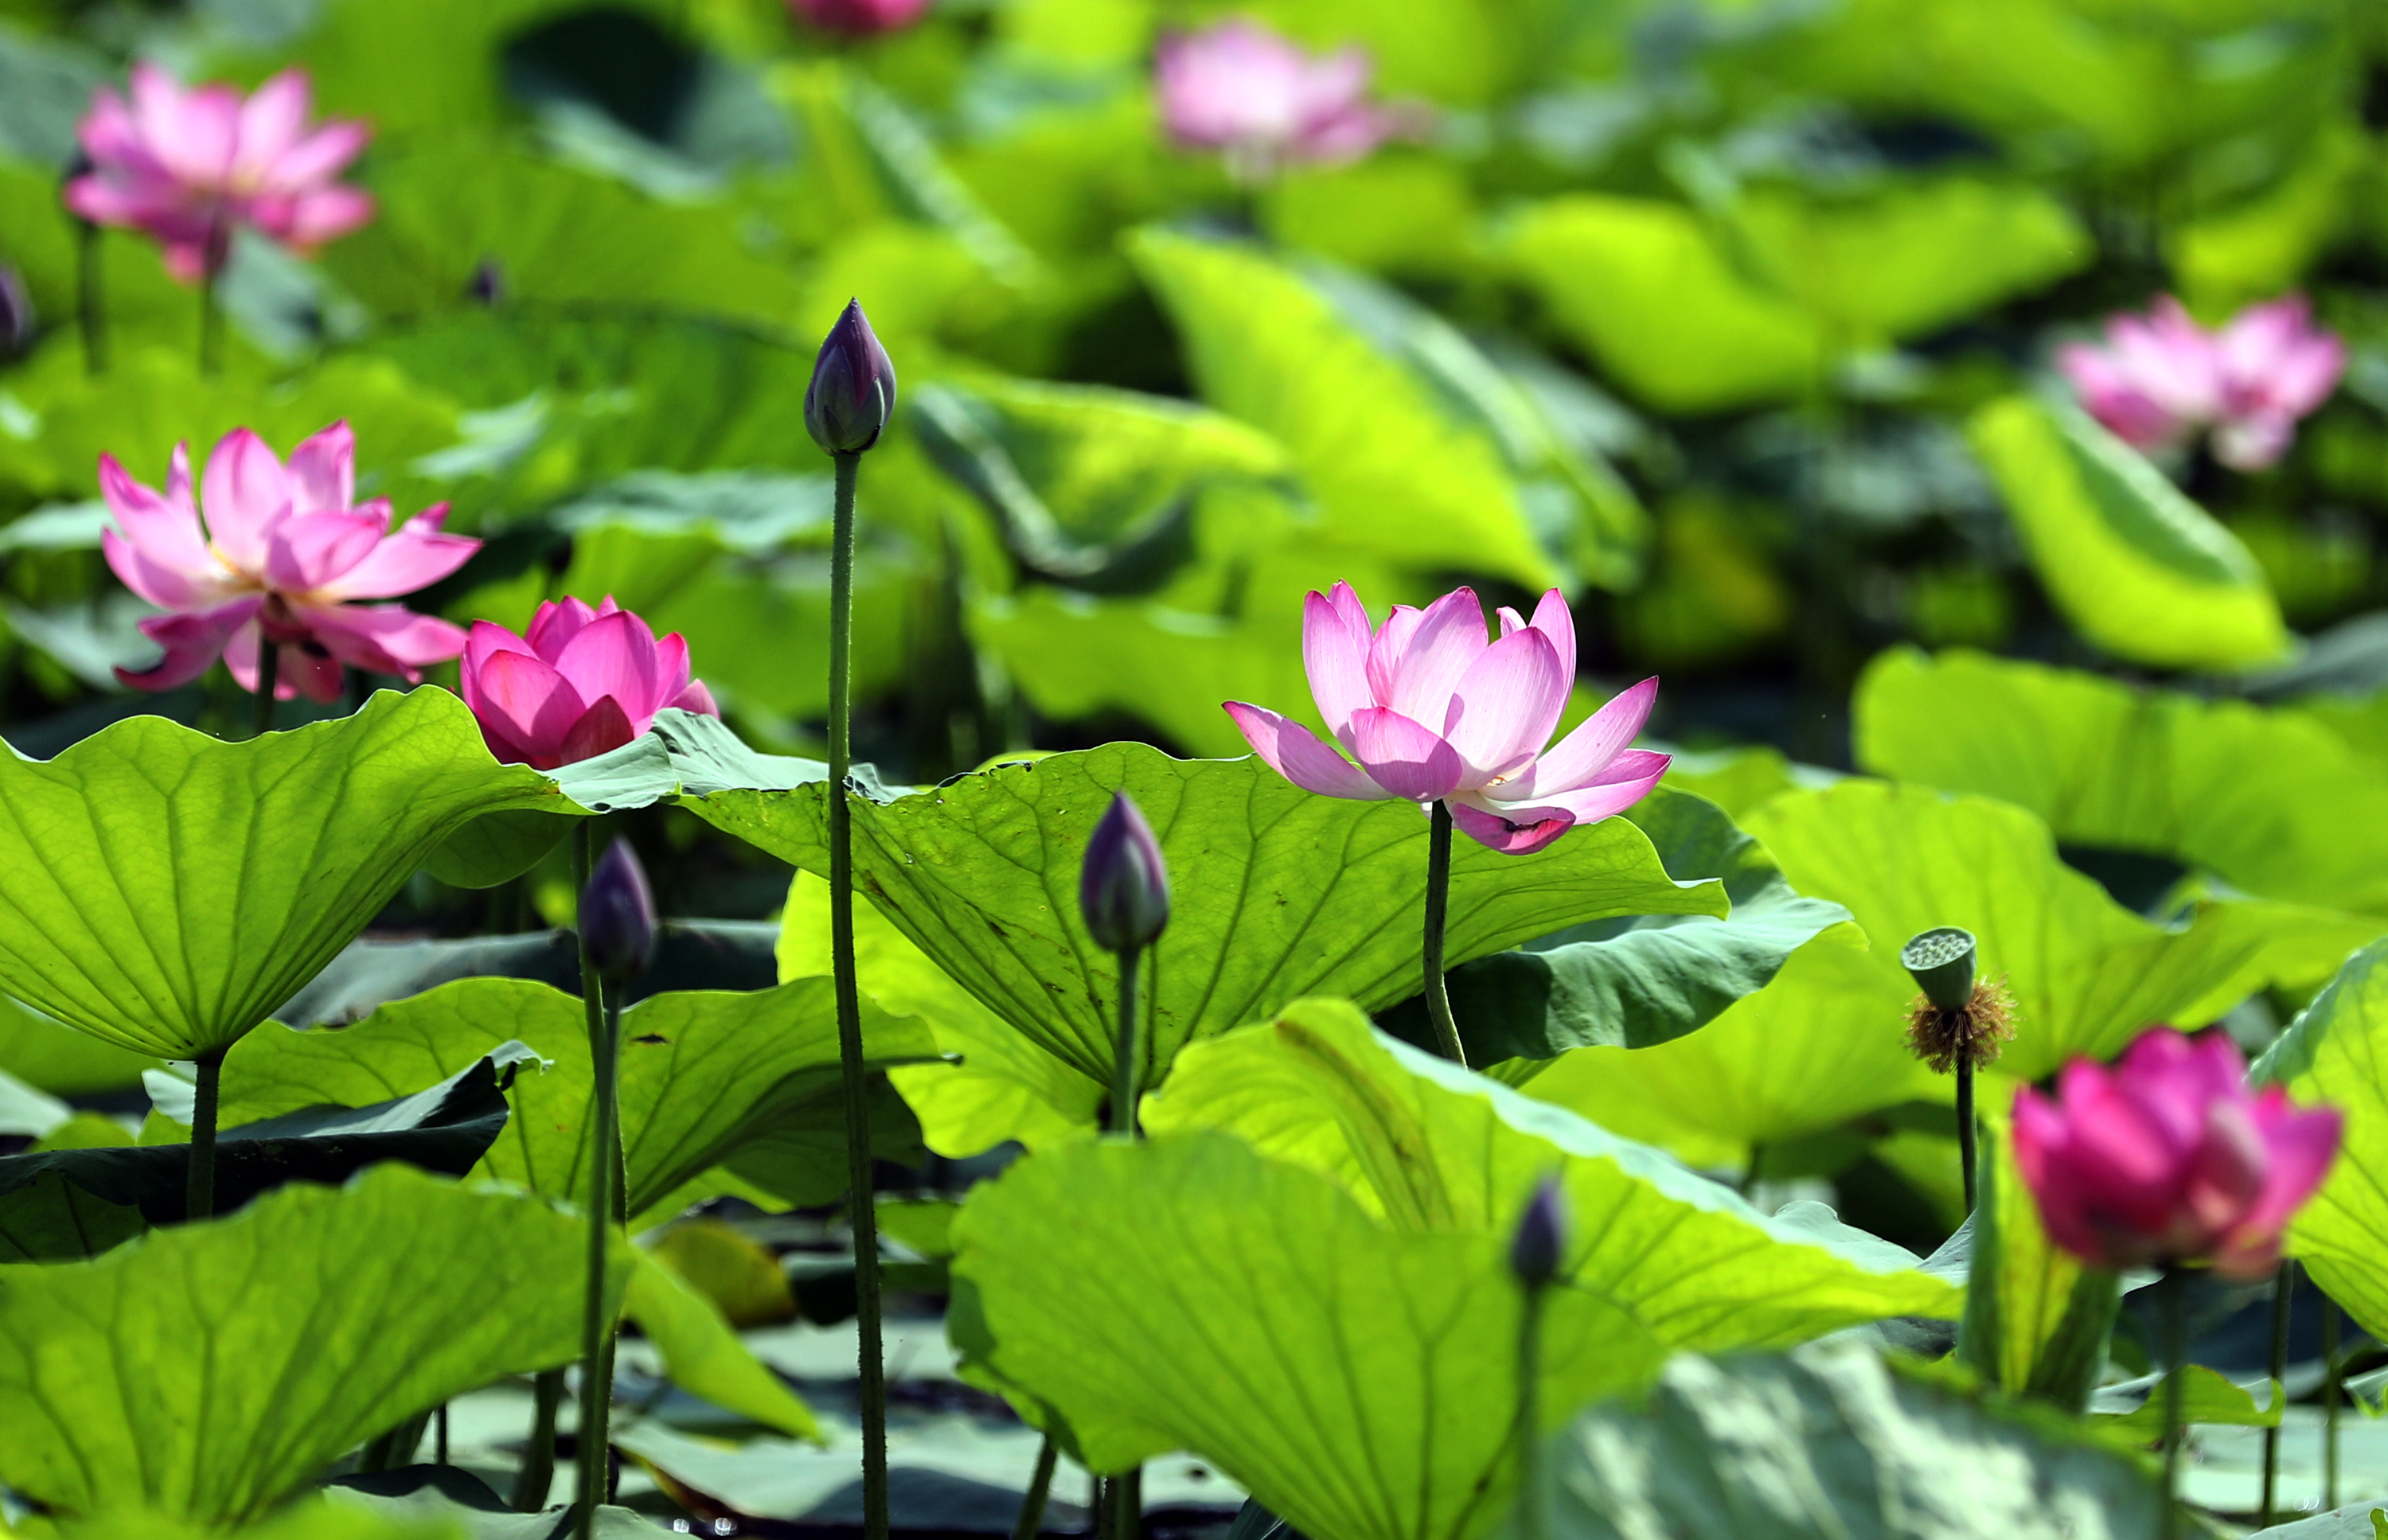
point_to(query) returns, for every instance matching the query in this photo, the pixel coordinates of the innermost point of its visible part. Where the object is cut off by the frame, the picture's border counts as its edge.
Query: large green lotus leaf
(205, 1372)
(1648, 980)
(1826, 1040)
(168, 891)
(2133, 563)
(1394, 477)
(2271, 800)
(447, 205)
(61, 1061)
(996, 1085)
(1186, 1293)
(1830, 1441)
(1425, 1146)
(1641, 286)
(306, 1518)
(702, 1352)
(2337, 1051)
(1275, 893)
(361, 54)
(706, 1075)
(1913, 259)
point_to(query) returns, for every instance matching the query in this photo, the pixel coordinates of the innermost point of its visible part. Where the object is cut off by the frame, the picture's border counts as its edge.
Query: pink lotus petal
(193, 641)
(321, 155)
(1496, 832)
(1578, 758)
(1505, 706)
(323, 471)
(268, 125)
(602, 728)
(1555, 620)
(1405, 756)
(1293, 752)
(310, 550)
(382, 639)
(486, 638)
(1391, 645)
(530, 704)
(245, 493)
(414, 557)
(167, 588)
(1449, 636)
(697, 698)
(164, 529)
(1335, 655)
(1624, 783)
(614, 655)
(670, 669)
(310, 219)
(556, 623)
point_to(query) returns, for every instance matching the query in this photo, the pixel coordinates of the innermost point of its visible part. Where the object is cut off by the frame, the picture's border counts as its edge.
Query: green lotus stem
(90, 314)
(1040, 1487)
(199, 1202)
(868, 1350)
(211, 314)
(1534, 1509)
(268, 669)
(2331, 1367)
(597, 1324)
(538, 1472)
(1438, 903)
(1127, 1504)
(1125, 1061)
(2173, 1313)
(2284, 1284)
(1965, 1155)
(440, 1435)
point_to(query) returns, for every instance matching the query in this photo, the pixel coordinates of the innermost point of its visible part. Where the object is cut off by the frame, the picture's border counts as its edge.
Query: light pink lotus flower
(1240, 89)
(284, 555)
(2161, 378)
(188, 165)
(1435, 713)
(860, 18)
(2167, 1158)
(584, 681)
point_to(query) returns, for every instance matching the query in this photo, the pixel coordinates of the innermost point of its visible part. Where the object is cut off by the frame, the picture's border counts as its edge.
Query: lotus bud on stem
(617, 936)
(1959, 1023)
(1534, 1253)
(1124, 898)
(847, 404)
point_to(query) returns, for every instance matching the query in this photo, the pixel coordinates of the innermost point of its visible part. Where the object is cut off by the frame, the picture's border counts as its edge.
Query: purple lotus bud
(1542, 1235)
(617, 915)
(853, 390)
(1124, 887)
(16, 313)
(487, 287)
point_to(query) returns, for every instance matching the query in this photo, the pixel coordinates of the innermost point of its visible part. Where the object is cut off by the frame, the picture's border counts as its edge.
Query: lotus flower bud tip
(853, 389)
(617, 915)
(1541, 1235)
(1123, 886)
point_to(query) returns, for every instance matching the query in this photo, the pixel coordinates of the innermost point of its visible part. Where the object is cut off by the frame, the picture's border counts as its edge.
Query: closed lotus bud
(617, 916)
(853, 389)
(1124, 887)
(16, 313)
(487, 287)
(1542, 1235)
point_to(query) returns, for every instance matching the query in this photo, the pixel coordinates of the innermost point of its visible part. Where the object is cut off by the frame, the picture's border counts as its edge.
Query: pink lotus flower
(584, 681)
(188, 165)
(284, 555)
(1435, 713)
(2161, 378)
(860, 18)
(2169, 1158)
(1241, 89)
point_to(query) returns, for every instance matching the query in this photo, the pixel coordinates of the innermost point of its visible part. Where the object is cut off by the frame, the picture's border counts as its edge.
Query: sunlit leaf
(704, 1355)
(169, 891)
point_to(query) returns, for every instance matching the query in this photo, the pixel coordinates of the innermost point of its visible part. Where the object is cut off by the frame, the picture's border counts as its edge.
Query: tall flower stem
(2284, 1284)
(538, 1472)
(1127, 1059)
(199, 1202)
(1128, 1503)
(2172, 1311)
(1966, 1155)
(1534, 1509)
(211, 303)
(1040, 1487)
(269, 675)
(1438, 903)
(601, 1009)
(2330, 1371)
(868, 1350)
(90, 315)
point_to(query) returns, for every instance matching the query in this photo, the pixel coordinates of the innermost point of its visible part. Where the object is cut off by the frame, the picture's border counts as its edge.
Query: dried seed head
(1972, 1032)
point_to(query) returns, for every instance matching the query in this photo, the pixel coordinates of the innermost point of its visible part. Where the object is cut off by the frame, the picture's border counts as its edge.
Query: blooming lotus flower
(1435, 713)
(187, 165)
(2167, 1157)
(860, 18)
(1241, 89)
(584, 681)
(284, 555)
(2161, 378)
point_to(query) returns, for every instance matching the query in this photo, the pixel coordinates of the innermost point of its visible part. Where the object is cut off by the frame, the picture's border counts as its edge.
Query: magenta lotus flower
(284, 555)
(188, 165)
(2161, 378)
(1240, 89)
(1433, 712)
(860, 18)
(584, 681)
(2167, 1158)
